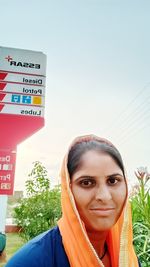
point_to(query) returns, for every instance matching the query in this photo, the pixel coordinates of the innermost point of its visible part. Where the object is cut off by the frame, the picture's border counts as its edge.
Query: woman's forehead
(97, 161)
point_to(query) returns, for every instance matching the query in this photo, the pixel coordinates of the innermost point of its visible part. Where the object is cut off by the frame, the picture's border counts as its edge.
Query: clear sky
(98, 75)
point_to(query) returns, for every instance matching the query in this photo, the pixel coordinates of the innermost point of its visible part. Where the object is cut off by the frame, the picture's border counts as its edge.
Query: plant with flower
(140, 202)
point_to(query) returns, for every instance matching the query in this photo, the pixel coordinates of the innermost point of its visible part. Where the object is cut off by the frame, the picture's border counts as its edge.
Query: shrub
(41, 209)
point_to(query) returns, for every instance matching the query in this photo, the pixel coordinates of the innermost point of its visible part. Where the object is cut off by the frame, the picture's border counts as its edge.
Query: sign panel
(22, 61)
(21, 110)
(21, 99)
(22, 72)
(7, 171)
(22, 88)
(22, 78)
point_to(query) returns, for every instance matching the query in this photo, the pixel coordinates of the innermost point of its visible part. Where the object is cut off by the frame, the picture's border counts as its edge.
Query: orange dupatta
(78, 248)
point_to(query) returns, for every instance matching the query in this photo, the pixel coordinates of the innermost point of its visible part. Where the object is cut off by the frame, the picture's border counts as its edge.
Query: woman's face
(99, 190)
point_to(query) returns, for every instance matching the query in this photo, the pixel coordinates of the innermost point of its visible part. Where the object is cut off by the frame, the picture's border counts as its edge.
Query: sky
(98, 81)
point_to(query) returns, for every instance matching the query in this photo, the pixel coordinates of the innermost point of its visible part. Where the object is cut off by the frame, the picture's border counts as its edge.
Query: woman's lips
(102, 211)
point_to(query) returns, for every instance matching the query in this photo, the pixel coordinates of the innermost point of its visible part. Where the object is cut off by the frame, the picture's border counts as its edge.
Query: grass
(14, 242)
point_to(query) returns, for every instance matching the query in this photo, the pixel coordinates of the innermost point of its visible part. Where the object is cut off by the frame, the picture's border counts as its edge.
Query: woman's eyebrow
(85, 177)
(115, 174)
(93, 177)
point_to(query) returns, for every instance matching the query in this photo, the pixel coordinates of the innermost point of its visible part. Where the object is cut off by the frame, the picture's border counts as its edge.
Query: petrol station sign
(7, 171)
(22, 104)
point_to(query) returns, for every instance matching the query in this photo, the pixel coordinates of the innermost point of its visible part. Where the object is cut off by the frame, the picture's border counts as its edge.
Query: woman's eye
(87, 183)
(112, 181)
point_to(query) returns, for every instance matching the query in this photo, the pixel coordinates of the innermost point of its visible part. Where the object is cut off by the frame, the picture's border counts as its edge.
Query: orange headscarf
(79, 250)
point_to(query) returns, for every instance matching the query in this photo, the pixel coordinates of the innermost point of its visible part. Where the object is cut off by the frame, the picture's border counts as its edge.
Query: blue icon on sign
(26, 99)
(15, 98)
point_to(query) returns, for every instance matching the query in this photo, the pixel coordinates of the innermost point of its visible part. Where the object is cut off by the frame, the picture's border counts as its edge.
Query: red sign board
(22, 105)
(7, 171)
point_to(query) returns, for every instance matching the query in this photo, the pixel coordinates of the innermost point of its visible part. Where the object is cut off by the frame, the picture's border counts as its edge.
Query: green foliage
(140, 202)
(41, 209)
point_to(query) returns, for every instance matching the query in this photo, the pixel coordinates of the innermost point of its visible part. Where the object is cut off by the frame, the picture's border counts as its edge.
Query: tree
(41, 209)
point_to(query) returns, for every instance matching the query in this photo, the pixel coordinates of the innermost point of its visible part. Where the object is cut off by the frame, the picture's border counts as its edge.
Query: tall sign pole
(22, 103)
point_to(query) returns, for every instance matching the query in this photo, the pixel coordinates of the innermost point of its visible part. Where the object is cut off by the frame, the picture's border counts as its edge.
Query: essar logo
(21, 64)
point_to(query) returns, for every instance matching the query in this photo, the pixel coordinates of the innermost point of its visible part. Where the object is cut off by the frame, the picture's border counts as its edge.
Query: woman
(95, 229)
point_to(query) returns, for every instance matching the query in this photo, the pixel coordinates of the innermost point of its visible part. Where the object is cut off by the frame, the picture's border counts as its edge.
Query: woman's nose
(103, 193)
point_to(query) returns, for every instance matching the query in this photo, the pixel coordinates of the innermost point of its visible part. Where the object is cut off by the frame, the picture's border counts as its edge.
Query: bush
(41, 209)
(140, 202)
